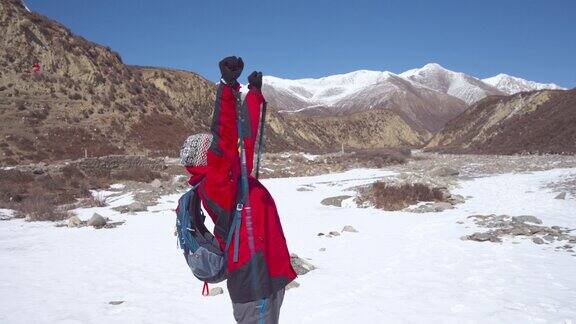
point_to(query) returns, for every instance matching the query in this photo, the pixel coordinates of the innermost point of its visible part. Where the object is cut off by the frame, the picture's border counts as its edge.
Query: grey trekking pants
(263, 311)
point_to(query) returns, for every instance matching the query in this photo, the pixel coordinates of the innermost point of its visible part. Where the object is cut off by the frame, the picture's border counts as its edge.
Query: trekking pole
(261, 138)
(244, 203)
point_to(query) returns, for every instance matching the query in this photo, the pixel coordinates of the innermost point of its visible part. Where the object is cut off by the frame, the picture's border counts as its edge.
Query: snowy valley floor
(399, 268)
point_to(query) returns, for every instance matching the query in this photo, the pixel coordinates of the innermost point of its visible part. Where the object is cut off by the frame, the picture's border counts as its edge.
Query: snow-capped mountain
(426, 97)
(456, 84)
(425, 109)
(511, 85)
(325, 92)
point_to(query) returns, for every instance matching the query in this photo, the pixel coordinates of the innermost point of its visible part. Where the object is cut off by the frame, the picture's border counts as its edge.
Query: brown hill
(86, 101)
(370, 129)
(529, 122)
(84, 97)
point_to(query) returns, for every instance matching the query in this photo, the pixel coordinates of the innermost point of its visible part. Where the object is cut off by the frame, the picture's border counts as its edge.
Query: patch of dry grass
(40, 206)
(397, 197)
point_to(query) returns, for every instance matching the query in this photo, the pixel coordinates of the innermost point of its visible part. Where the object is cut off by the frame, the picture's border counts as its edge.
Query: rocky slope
(528, 122)
(363, 130)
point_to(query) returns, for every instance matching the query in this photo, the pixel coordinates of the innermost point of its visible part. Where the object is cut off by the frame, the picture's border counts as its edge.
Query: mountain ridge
(426, 97)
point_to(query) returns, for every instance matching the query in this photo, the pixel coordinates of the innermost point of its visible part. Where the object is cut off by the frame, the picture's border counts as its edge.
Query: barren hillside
(530, 122)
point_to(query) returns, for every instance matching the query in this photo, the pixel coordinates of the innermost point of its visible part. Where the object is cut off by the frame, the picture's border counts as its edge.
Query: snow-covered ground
(399, 268)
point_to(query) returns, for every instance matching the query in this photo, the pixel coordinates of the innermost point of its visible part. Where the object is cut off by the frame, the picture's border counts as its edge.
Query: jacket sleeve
(219, 189)
(253, 103)
(223, 122)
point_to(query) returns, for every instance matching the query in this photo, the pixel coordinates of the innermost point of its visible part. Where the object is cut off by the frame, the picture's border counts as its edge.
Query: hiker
(256, 280)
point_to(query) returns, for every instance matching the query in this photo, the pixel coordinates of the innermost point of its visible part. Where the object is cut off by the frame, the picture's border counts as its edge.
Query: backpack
(201, 249)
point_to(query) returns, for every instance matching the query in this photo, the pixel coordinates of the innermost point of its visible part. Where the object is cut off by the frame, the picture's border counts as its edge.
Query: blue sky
(531, 39)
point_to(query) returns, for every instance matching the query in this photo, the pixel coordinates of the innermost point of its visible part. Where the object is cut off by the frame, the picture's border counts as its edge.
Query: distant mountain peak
(511, 84)
(457, 84)
(433, 66)
(325, 91)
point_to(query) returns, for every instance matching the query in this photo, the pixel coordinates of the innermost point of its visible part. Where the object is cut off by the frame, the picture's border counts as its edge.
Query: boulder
(74, 221)
(334, 201)
(116, 302)
(156, 183)
(441, 206)
(561, 196)
(537, 240)
(292, 284)
(97, 221)
(520, 230)
(216, 291)
(456, 199)
(549, 238)
(334, 233)
(114, 224)
(527, 218)
(483, 237)
(136, 206)
(300, 265)
(426, 208)
(349, 228)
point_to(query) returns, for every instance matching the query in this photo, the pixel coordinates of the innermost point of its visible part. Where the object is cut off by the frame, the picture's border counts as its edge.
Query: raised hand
(255, 80)
(230, 68)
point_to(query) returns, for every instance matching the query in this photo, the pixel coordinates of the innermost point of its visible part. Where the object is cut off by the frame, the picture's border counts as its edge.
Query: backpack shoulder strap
(184, 223)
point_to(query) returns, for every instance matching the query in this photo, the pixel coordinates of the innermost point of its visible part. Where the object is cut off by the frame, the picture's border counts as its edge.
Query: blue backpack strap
(238, 216)
(185, 223)
(235, 230)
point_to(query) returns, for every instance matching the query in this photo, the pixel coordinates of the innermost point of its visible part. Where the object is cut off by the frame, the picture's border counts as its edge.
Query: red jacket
(219, 193)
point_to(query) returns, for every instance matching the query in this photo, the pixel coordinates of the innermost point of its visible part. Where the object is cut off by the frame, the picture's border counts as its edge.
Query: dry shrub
(16, 187)
(397, 197)
(40, 206)
(13, 186)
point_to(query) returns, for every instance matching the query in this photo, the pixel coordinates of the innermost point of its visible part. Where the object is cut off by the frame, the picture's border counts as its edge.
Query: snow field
(399, 268)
